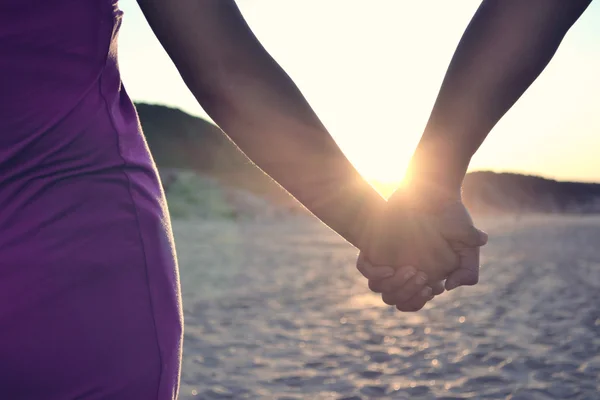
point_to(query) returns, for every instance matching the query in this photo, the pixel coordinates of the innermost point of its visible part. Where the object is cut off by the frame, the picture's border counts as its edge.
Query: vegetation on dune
(179, 140)
(193, 196)
(514, 193)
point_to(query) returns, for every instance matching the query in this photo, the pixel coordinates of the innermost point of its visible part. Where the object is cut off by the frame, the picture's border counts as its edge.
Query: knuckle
(472, 279)
(402, 297)
(385, 286)
(362, 273)
(375, 286)
(437, 288)
(362, 269)
(405, 307)
(387, 299)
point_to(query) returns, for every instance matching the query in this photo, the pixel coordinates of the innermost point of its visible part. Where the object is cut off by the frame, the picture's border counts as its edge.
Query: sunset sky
(371, 70)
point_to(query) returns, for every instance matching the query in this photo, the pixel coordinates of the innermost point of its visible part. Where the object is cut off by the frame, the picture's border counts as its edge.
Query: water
(277, 311)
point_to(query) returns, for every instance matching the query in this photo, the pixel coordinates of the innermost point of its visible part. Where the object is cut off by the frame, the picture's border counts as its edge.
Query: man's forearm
(504, 49)
(254, 101)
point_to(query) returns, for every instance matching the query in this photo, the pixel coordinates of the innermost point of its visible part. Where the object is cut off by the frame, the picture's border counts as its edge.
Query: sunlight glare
(371, 71)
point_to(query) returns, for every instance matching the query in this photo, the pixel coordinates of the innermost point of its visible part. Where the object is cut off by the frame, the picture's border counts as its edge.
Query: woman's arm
(259, 107)
(505, 47)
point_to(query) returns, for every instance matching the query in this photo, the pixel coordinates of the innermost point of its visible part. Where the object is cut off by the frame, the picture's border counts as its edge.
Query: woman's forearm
(267, 117)
(505, 47)
(259, 107)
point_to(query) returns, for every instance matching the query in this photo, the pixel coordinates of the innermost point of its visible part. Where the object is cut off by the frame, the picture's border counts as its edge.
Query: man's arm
(259, 107)
(505, 47)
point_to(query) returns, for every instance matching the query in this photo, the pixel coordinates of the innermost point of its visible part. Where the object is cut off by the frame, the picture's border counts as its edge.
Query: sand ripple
(277, 311)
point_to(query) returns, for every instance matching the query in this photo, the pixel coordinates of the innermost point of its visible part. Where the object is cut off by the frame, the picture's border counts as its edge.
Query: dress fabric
(90, 301)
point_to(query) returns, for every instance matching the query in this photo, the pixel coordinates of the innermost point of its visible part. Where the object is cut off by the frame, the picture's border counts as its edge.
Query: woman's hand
(403, 236)
(405, 287)
(438, 238)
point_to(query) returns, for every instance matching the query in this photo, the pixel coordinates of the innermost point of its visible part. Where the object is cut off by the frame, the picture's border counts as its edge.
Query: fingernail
(426, 291)
(383, 272)
(409, 274)
(483, 236)
(421, 279)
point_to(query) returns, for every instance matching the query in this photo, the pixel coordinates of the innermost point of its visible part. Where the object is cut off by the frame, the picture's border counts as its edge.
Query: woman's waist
(92, 137)
(46, 216)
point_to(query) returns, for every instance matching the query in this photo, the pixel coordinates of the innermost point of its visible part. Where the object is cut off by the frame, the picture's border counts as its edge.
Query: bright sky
(372, 69)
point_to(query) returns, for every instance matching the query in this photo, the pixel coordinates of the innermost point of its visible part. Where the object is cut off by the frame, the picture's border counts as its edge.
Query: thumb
(370, 271)
(462, 277)
(467, 273)
(468, 235)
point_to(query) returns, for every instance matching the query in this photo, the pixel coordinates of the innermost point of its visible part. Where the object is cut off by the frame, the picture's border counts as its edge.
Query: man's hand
(456, 225)
(404, 236)
(404, 287)
(449, 220)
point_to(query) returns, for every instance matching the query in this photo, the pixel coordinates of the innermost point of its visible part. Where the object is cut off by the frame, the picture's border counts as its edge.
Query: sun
(383, 165)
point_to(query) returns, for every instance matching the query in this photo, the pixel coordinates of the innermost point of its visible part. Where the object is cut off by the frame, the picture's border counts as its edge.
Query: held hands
(414, 247)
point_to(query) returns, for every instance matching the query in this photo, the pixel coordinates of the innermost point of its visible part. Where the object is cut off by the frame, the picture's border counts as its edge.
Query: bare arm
(261, 110)
(505, 47)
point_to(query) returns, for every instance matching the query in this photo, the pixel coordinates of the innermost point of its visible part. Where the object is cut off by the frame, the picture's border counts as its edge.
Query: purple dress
(90, 304)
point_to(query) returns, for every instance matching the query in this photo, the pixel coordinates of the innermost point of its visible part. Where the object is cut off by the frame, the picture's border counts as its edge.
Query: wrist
(347, 204)
(435, 174)
(368, 210)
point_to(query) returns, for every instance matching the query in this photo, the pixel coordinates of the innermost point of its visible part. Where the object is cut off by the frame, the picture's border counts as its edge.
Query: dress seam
(140, 236)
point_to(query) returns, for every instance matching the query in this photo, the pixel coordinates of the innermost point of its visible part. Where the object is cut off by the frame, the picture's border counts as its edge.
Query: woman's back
(52, 54)
(87, 267)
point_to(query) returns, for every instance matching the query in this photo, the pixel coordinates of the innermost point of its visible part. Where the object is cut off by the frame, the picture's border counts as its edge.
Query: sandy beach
(275, 309)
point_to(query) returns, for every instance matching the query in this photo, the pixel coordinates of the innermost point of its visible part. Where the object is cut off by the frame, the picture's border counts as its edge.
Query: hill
(485, 192)
(179, 141)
